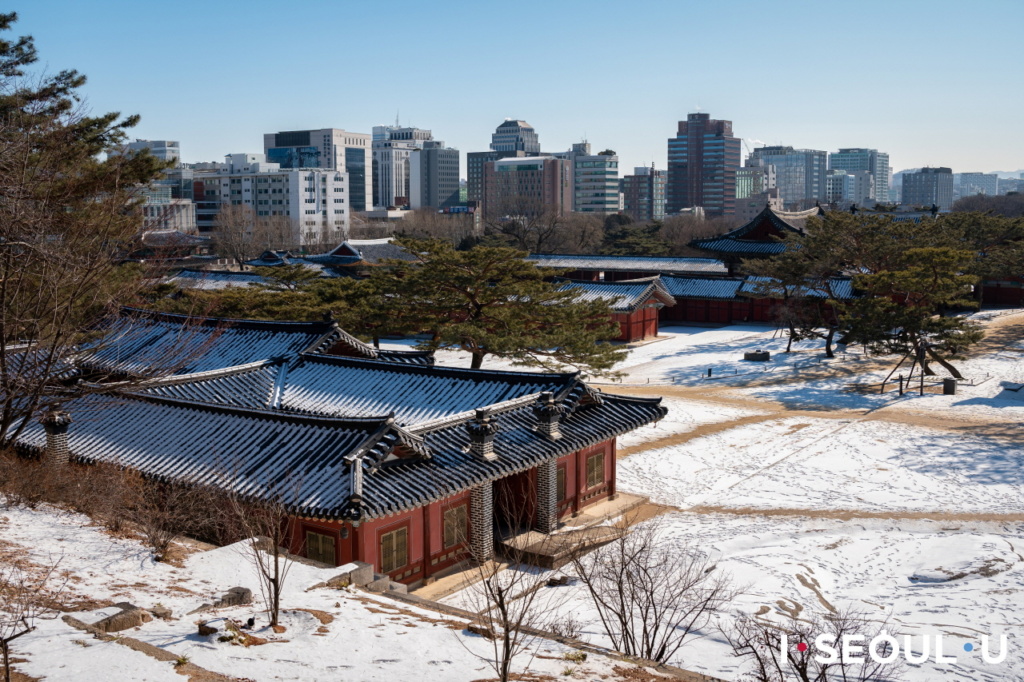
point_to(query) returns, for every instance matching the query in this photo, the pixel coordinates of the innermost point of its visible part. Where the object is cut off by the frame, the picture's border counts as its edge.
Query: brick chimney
(56, 421)
(549, 416)
(481, 436)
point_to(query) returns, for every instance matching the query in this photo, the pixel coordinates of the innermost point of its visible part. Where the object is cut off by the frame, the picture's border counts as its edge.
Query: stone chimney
(56, 422)
(481, 436)
(549, 416)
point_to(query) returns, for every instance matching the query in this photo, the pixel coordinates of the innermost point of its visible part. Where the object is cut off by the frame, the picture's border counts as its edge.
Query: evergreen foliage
(65, 218)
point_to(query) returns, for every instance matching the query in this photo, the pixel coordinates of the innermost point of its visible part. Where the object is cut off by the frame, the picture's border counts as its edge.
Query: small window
(394, 550)
(560, 483)
(320, 547)
(455, 522)
(595, 470)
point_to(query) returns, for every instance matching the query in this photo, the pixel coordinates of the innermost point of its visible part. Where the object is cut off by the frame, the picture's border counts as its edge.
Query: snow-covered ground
(813, 494)
(810, 493)
(351, 636)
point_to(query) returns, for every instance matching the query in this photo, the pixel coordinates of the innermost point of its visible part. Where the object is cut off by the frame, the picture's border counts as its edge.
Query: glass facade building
(702, 161)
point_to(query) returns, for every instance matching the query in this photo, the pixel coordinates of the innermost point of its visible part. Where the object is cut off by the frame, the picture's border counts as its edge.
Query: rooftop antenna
(396, 117)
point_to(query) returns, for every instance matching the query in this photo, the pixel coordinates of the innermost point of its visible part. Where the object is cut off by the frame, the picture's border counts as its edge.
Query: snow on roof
(699, 287)
(140, 341)
(650, 264)
(623, 296)
(309, 460)
(214, 279)
(328, 385)
(840, 287)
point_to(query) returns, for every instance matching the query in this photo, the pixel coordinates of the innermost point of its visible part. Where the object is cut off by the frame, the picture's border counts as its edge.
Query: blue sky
(929, 81)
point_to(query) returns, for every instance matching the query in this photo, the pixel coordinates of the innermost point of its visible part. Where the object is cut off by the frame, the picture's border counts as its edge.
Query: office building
(799, 174)
(526, 187)
(871, 160)
(392, 147)
(511, 139)
(928, 187)
(702, 162)
(328, 148)
(434, 176)
(312, 200)
(515, 136)
(165, 150)
(969, 184)
(595, 179)
(643, 194)
(753, 181)
(849, 188)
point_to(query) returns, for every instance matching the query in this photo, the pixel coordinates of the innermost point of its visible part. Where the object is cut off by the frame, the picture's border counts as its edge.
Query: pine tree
(65, 218)
(490, 301)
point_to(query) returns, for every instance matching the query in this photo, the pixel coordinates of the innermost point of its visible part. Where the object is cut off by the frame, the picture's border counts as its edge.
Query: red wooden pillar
(613, 449)
(427, 550)
(581, 480)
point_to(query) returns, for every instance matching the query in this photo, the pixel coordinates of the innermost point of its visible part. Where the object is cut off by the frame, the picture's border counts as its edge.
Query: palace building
(378, 456)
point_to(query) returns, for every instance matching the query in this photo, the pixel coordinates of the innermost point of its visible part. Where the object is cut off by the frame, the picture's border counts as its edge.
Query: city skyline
(218, 77)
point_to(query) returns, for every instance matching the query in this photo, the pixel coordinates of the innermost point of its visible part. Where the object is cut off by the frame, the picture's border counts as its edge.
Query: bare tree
(511, 598)
(235, 233)
(525, 222)
(26, 596)
(650, 597)
(790, 651)
(265, 522)
(322, 237)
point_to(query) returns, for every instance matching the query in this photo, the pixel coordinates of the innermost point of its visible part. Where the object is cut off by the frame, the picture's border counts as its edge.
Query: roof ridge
(254, 412)
(174, 379)
(234, 323)
(430, 369)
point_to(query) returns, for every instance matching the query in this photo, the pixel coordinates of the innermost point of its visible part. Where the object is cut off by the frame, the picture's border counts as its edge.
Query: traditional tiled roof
(170, 238)
(839, 287)
(369, 251)
(140, 341)
(679, 266)
(328, 385)
(340, 342)
(750, 239)
(700, 287)
(269, 259)
(214, 279)
(624, 296)
(315, 465)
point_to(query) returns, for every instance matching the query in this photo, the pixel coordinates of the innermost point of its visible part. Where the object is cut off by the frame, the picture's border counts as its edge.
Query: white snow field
(811, 491)
(368, 638)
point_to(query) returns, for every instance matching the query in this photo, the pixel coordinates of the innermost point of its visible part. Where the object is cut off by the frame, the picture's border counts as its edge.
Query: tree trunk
(942, 361)
(828, 342)
(478, 360)
(792, 333)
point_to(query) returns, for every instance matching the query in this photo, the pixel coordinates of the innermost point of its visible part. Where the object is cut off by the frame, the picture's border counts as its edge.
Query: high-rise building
(311, 202)
(754, 180)
(870, 160)
(799, 174)
(928, 187)
(434, 176)
(702, 162)
(330, 148)
(526, 187)
(511, 139)
(849, 188)
(595, 179)
(515, 136)
(392, 147)
(969, 184)
(643, 194)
